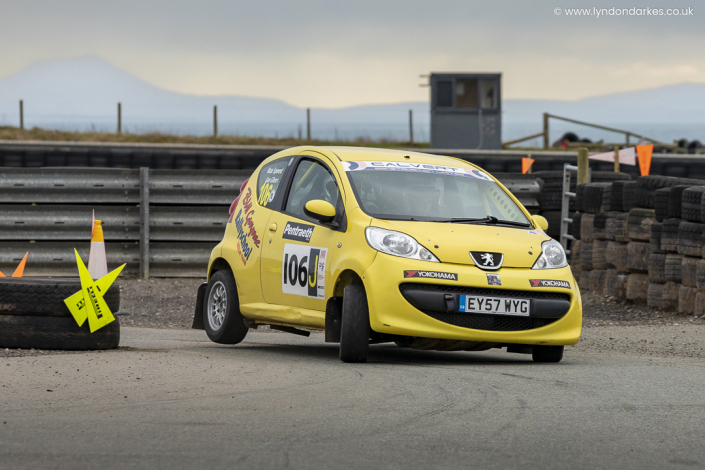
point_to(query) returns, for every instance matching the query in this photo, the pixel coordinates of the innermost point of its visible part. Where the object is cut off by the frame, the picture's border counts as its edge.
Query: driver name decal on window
(268, 181)
(416, 168)
(304, 271)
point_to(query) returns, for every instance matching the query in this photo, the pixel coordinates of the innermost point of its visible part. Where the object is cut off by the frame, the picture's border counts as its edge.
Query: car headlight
(397, 244)
(552, 256)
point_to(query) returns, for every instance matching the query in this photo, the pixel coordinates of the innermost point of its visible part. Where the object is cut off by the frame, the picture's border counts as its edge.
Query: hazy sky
(335, 53)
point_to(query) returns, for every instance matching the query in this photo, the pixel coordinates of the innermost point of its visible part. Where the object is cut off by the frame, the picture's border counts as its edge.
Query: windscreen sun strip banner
(416, 168)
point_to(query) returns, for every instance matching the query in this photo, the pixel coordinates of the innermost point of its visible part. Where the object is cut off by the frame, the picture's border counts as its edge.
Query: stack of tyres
(689, 245)
(33, 315)
(601, 226)
(551, 195)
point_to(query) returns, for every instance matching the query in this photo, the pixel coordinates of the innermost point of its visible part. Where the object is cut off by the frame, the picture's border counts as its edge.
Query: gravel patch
(599, 310)
(158, 303)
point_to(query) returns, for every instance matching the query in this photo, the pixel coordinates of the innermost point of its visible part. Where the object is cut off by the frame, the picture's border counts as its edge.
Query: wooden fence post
(215, 121)
(119, 128)
(616, 158)
(583, 166)
(21, 115)
(545, 131)
(411, 127)
(308, 124)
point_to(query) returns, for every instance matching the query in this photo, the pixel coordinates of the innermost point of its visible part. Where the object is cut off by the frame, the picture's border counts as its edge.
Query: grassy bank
(14, 133)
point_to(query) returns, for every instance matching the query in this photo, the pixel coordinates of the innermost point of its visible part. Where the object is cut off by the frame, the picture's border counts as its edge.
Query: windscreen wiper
(489, 220)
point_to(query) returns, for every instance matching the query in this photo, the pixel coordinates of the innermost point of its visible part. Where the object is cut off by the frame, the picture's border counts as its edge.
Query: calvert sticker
(304, 271)
(298, 232)
(246, 232)
(416, 168)
(431, 275)
(549, 283)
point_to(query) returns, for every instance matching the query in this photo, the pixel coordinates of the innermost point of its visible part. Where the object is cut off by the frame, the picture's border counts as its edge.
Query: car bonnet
(452, 242)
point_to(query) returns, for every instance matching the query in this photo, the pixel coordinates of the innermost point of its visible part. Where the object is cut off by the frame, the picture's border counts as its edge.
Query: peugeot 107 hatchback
(372, 246)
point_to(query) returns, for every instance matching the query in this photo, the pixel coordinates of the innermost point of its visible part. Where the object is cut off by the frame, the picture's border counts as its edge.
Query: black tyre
(355, 330)
(55, 332)
(689, 268)
(657, 268)
(661, 201)
(669, 235)
(675, 198)
(690, 203)
(674, 268)
(45, 296)
(637, 287)
(554, 223)
(655, 241)
(639, 221)
(547, 353)
(222, 319)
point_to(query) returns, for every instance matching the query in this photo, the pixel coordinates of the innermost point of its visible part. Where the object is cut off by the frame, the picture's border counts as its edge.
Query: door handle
(273, 228)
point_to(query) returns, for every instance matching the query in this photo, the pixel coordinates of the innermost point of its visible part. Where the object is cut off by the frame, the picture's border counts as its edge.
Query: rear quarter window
(269, 179)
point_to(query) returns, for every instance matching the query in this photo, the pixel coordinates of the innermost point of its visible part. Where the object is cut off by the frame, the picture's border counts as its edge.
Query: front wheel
(355, 328)
(547, 353)
(221, 310)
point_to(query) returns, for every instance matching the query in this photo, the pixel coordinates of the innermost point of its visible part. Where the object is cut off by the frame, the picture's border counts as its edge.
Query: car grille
(479, 321)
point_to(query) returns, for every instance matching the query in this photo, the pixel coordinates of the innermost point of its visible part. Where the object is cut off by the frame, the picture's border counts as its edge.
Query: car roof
(347, 154)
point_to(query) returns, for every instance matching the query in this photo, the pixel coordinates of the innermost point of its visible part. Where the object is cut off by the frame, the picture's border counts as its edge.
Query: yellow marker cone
(97, 260)
(20, 268)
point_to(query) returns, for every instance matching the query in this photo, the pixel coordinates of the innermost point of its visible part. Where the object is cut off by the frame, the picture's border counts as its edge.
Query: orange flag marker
(2, 275)
(20, 268)
(644, 153)
(526, 164)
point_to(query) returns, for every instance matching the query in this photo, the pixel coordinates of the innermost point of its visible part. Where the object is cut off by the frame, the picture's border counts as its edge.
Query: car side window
(269, 179)
(311, 181)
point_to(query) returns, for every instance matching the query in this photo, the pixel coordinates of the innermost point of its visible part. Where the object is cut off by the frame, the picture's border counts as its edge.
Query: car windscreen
(408, 191)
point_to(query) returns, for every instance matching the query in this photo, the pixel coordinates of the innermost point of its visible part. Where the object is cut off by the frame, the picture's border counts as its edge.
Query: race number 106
(303, 271)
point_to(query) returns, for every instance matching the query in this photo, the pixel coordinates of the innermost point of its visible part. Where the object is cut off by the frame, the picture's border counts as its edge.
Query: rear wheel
(547, 353)
(355, 328)
(221, 310)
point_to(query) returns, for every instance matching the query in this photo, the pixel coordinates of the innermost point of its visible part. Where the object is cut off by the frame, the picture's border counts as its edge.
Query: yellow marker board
(88, 303)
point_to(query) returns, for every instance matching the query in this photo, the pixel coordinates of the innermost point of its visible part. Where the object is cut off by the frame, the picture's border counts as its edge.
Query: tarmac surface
(172, 399)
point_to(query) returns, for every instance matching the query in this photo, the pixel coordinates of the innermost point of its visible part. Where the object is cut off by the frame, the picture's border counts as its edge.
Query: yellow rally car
(375, 246)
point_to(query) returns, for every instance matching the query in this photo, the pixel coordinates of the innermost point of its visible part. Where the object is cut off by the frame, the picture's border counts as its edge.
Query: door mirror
(321, 210)
(540, 221)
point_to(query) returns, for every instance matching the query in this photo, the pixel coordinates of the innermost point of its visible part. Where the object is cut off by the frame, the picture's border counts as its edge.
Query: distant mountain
(82, 93)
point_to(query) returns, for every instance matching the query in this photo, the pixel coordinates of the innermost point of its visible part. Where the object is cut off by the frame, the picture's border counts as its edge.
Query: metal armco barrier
(162, 223)
(248, 157)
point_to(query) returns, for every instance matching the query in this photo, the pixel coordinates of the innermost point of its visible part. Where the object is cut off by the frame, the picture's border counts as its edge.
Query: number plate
(494, 305)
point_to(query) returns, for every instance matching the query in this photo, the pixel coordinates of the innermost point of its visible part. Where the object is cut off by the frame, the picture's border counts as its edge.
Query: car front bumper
(402, 302)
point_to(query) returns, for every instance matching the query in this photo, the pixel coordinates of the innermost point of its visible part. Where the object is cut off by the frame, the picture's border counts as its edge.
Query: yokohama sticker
(298, 232)
(304, 271)
(549, 283)
(431, 275)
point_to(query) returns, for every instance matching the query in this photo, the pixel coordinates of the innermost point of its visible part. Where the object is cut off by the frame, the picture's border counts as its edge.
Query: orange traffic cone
(97, 260)
(20, 267)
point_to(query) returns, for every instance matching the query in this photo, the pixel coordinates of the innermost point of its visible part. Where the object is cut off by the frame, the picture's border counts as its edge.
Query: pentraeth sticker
(416, 168)
(431, 275)
(549, 283)
(304, 271)
(298, 232)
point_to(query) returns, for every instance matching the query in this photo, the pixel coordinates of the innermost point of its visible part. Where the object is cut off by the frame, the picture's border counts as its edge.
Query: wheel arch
(345, 278)
(218, 264)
